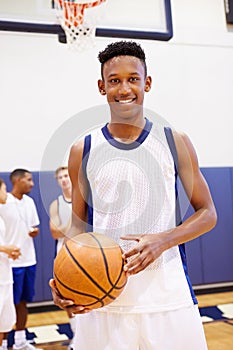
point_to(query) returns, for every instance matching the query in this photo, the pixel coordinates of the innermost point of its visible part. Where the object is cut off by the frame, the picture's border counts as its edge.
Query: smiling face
(63, 179)
(124, 83)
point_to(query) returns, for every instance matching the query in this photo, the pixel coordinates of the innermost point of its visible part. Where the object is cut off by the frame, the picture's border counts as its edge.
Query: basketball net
(79, 25)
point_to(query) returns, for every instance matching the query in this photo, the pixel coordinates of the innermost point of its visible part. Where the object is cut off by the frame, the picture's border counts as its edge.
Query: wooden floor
(219, 334)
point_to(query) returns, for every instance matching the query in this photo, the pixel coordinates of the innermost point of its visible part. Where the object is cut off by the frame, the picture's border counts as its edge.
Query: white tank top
(64, 212)
(133, 192)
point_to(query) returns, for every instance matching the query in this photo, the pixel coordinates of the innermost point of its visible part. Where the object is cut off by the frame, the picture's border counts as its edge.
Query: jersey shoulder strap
(172, 146)
(86, 152)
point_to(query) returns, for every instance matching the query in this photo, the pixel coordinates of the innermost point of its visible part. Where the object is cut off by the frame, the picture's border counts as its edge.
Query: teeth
(125, 101)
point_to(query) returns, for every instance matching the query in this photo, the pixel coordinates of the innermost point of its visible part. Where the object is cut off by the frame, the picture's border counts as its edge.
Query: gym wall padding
(210, 257)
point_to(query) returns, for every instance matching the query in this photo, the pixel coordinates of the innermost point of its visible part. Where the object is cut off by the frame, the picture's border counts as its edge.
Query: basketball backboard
(132, 19)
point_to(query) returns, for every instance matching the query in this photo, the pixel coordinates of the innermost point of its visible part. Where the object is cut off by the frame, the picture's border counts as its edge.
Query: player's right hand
(65, 303)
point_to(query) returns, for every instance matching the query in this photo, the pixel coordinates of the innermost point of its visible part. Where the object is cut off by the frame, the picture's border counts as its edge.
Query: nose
(124, 88)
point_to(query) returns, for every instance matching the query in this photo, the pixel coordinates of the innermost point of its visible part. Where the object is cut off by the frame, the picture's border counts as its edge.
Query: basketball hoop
(79, 25)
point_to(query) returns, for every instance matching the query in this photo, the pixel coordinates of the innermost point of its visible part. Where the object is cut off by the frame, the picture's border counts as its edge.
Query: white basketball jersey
(132, 191)
(64, 212)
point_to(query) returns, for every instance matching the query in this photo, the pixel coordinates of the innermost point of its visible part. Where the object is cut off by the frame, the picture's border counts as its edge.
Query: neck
(17, 194)
(67, 195)
(126, 131)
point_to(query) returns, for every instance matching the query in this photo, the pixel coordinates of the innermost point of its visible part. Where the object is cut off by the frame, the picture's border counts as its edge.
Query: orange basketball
(89, 270)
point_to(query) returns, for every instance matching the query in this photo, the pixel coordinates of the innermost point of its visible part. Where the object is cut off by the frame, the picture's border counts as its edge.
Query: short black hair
(18, 173)
(122, 48)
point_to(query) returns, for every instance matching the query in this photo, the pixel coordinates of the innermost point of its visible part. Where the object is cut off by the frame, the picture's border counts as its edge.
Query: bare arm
(57, 229)
(79, 190)
(197, 190)
(151, 246)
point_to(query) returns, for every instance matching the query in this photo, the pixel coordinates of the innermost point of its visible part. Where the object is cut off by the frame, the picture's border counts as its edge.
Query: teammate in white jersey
(7, 252)
(21, 221)
(124, 185)
(60, 208)
(60, 219)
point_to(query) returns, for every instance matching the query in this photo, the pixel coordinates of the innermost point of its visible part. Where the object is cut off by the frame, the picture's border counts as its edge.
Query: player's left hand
(148, 249)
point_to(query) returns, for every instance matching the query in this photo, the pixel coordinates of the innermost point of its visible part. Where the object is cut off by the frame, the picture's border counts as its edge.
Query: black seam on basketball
(106, 293)
(104, 257)
(97, 300)
(106, 265)
(87, 274)
(77, 292)
(121, 272)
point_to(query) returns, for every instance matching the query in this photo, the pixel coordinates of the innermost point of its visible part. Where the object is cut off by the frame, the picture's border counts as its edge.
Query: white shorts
(7, 308)
(173, 330)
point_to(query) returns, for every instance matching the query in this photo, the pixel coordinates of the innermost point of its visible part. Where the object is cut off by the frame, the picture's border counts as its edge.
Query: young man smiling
(128, 168)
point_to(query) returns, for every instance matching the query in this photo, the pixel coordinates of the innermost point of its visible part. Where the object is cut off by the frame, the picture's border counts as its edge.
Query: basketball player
(60, 220)
(128, 169)
(7, 252)
(21, 218)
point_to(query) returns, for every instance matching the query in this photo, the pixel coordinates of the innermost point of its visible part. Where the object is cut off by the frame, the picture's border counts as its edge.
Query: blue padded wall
(210, 258)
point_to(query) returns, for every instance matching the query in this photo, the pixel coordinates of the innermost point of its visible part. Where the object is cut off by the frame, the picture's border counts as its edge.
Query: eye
(114, 81)
(134, 79)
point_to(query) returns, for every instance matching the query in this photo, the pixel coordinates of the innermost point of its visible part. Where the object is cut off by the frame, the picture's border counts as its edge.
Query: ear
(101, 87)
(148, 84)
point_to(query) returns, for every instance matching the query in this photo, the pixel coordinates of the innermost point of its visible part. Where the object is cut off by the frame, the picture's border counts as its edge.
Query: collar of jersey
(128, 146)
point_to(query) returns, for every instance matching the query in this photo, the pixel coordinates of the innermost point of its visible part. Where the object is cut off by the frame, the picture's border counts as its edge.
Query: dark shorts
(24, 283)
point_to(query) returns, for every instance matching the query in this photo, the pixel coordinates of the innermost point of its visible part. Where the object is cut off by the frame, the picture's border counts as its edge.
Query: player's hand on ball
(65, 303)
(148, 249)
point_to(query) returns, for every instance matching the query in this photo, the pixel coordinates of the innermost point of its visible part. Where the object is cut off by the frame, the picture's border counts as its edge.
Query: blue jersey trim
(86, 153)
(128, 146)
(172, 146)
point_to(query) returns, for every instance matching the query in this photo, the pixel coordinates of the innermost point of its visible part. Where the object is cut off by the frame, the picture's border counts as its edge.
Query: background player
(60, 220)
(7, 308)
(21, 218)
